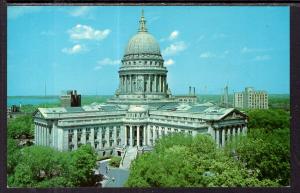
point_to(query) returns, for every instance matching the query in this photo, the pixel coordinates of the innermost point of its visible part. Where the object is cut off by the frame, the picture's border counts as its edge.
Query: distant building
(14, 111)
(225, 98)
(190, 98)
(251, 99)
(70, 99)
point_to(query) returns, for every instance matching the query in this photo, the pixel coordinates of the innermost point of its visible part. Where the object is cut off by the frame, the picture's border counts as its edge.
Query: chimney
(194, 91)
(190, 90)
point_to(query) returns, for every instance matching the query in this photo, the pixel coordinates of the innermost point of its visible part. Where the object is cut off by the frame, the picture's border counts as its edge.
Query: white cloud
(80, 32)
(207, 55)
(173, 35)
(73, 50)
(174, 48)
(262, 58)
(169, 62)
(80, 11)
(245, 49)
(107, 62)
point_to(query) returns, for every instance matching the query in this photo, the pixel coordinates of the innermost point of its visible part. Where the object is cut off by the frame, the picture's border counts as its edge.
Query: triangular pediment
(38, 114)
(234, 114)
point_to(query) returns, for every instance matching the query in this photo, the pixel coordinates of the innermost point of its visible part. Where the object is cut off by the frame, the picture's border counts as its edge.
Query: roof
(86, 110)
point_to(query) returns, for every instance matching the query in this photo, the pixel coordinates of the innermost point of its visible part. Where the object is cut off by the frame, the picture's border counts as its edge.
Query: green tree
(20, 126)
(83, 163)
(40, 166)
(183, 161)
(269, 119)
(13, 155)
(268, 153)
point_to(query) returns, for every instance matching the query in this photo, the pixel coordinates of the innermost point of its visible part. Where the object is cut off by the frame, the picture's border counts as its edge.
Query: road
(116, 177)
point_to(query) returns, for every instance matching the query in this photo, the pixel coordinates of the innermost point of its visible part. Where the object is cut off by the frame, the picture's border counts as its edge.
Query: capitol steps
(130, 155)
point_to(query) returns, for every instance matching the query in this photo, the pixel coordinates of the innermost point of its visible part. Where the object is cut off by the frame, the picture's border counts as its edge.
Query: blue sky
(80, 48)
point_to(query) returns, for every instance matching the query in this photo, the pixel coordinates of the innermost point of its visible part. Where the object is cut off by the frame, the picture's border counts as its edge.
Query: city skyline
(81, 48)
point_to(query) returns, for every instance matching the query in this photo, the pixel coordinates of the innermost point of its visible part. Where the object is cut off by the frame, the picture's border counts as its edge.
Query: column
(138, 136)
(159, 85)
(154, 134)
(115, 135)
(155, 84)
(163, 84)
(245, 130)
(35, 134)
(159, 132)
(122, 80)
(148, 134)
(75, 142)
(144, 136)
(149, 82)
(218, 137)
(130, 84)
(238, 131)
(125, 134)
(100, 137)
(43, 137)
(223, 137)
(107, 136)
(92, 137)
(130, 138)
(45, 133)
(125, 86)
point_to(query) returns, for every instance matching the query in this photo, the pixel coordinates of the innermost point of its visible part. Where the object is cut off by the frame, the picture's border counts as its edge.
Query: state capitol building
(142, 110)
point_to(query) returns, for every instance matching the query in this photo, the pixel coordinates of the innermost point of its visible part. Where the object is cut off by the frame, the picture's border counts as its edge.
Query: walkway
(130, 155)
(114, 177)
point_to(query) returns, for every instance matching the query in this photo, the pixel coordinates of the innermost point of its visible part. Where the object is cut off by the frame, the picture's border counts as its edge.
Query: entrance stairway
(130, 155)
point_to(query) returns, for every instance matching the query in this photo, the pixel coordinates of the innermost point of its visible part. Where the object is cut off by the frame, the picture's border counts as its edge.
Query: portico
(135, 135)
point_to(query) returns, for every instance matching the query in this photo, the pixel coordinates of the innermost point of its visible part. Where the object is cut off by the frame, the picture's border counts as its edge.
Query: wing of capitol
(141, 111)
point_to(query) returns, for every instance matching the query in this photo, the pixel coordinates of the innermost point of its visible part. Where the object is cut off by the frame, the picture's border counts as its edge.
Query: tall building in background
(70, 98)
(251, 99)
(225, 98)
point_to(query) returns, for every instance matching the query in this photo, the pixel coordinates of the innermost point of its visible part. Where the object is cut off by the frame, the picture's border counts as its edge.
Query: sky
(80, 47)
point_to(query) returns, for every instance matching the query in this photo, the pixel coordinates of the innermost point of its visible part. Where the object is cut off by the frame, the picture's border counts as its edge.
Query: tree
(13, 155)
(269, 119)
(268, 153)
(184, 161)
(40, 166)
(21, 126)
(83, 163)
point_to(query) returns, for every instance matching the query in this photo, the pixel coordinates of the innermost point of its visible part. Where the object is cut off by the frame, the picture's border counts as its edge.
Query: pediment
(38, 114)
(234, 115)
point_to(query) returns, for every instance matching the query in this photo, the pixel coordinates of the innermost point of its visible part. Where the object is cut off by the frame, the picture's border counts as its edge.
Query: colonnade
(146, 135)
(135, 135)
(224, 134)
(150, 83)
(102, 136)
(41, 134)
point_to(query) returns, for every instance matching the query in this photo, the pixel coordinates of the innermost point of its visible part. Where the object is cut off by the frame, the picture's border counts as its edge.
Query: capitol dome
(142, 43)
(142, 74)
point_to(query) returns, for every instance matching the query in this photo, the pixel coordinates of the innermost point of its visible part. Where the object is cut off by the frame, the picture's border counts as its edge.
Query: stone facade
(142, 110)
